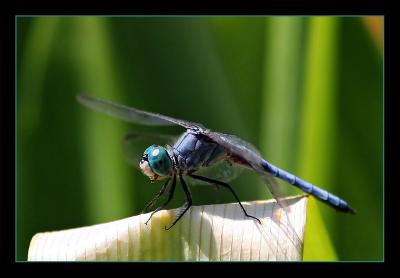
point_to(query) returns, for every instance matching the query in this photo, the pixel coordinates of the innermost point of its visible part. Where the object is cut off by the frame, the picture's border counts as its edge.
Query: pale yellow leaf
(205, 233)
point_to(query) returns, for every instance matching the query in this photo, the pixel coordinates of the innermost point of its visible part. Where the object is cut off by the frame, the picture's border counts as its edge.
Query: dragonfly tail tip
(351, 210)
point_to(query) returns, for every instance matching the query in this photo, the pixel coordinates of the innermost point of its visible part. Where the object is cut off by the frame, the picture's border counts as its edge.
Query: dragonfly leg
(151, 203)
(187, 204)
(223, 184)
(170, 195)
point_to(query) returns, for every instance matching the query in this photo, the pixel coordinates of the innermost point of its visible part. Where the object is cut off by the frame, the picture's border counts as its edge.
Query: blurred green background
(306, 90)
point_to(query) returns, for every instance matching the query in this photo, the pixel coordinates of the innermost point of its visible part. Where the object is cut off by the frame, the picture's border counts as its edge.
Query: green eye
(159, 160)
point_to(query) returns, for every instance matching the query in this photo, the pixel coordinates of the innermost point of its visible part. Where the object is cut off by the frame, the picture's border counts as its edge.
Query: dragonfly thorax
(156, 162)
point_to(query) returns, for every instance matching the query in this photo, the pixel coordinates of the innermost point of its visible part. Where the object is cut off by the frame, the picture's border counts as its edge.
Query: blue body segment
(194, 150)
(307, 187)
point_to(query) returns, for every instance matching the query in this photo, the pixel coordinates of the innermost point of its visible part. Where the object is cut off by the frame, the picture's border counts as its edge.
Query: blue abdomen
(309, 188)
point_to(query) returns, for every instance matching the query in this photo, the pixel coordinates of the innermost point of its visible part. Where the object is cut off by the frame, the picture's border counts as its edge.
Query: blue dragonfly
(201, 155)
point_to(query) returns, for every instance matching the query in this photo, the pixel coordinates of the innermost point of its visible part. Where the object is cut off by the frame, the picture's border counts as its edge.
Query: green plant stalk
(282, 76)
(107, 172)
(316, 149)
(32, 67)
(34, 64)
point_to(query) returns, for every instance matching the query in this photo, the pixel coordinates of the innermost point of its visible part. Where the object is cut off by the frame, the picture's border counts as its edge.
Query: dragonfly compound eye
(158, 161)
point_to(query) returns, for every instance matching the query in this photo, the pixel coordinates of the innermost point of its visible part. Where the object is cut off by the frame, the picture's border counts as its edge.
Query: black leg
(170, 195)
(151, 203)
(223, 184)
(187, 204)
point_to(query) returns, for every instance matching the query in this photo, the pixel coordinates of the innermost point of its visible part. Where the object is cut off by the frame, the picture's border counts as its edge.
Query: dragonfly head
(156, 163)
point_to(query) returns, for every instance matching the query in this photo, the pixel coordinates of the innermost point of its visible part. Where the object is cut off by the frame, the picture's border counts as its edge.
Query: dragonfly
(199, 151)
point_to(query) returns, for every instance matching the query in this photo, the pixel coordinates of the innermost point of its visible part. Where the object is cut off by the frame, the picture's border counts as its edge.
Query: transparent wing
(286, 224)
(222, 171)
(235, 144)
(133, 115)
(135, 144)
(247, 153)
